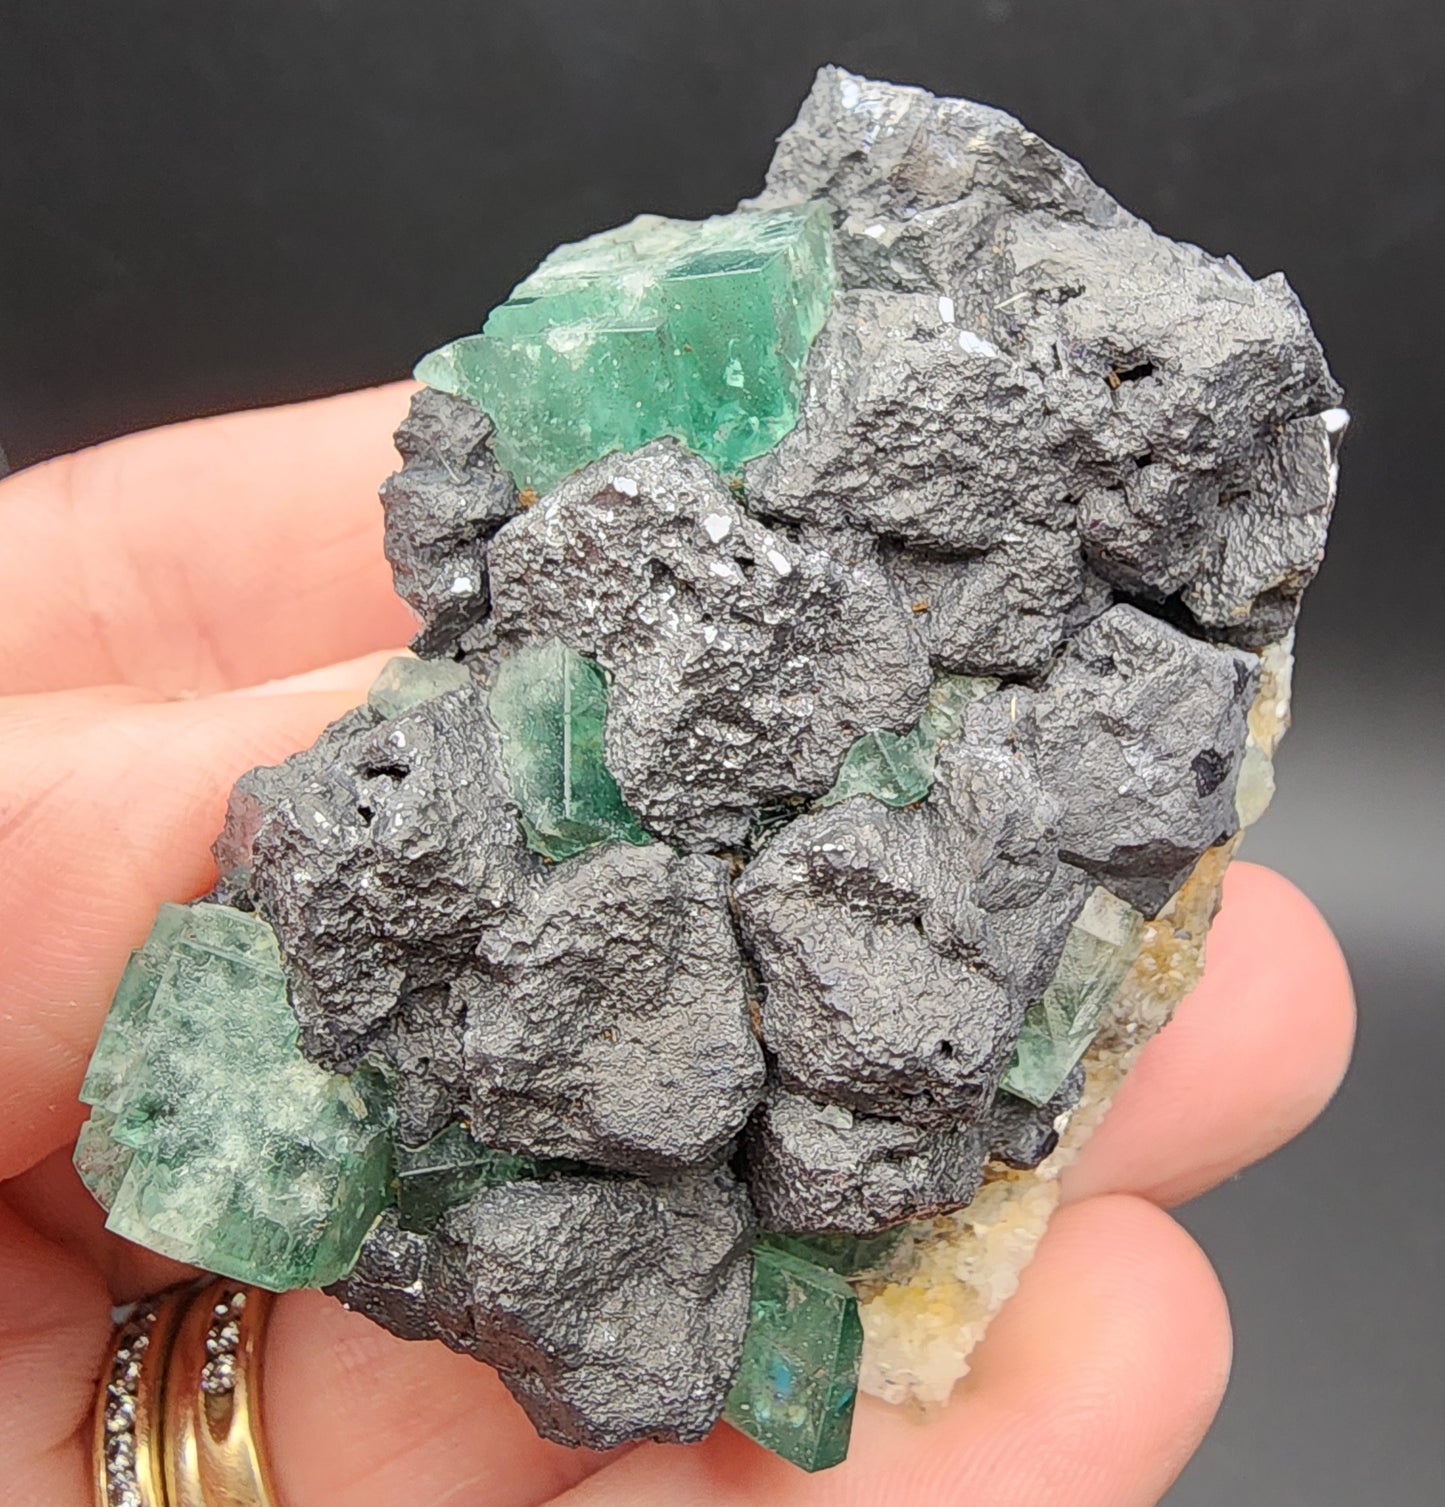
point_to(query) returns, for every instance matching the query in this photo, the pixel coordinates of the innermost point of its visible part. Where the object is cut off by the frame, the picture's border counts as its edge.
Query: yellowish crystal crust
(920, 1328)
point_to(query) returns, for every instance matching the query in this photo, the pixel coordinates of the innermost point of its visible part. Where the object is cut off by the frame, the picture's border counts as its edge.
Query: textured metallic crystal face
(785, 792)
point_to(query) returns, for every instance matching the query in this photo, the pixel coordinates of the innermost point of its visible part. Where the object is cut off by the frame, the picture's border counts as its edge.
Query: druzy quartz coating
(854, 631)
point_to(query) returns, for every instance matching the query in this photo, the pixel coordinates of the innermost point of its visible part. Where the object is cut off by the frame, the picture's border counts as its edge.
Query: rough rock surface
(1017, 349)
(874, 997)
(613, 1309)
(1002, 611)
(820, 1169)
(1140, 731)
(597, 1010)
(401, 1281)
(742, 663)
(379, 855)
(447, 500)
(898, 949)
(608, 1021)
(1271, 536)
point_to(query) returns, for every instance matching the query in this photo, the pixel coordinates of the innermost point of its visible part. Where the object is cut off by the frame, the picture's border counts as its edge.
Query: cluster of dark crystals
(1037, 442)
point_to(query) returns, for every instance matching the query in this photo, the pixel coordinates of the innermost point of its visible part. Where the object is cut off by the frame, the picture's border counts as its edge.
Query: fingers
(1252, 1056)
(54, 1318)
(53, 1201)
(109, 802)
(1095, 1384)
(355, 1415)
(216, 553)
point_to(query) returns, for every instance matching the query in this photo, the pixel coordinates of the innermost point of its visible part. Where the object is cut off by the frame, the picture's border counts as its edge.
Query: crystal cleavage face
(854, 633)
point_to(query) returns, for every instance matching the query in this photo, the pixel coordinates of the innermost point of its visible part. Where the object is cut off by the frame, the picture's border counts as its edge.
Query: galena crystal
(660, 327)
(211, 1138)
(854, 633)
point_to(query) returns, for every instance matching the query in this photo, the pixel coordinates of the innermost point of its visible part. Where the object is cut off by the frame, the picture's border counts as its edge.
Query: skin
(183, 604)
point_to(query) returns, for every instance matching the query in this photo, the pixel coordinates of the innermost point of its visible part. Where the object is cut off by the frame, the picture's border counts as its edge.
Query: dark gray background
(209, 206)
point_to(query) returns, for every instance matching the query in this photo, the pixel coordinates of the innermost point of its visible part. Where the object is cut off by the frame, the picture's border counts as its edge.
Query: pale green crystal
(848, 1255)
(1255, 789)
(123, 1033)
(550, 705)
(101, 1160)
(1101, 947)
(798, 1378)
(897, 768)
(696, 329)
(211, 1137)
(447, 1170)
(405, 682)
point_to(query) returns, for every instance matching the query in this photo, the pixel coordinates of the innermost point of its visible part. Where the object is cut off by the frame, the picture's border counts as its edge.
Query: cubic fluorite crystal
(405, 683)
(798, 1379)
(446, 1171)
(848, 1255)
(551, 707)
(854, 632)
(897, 768)
(211, 1138)
(1056, 1033)
(698, 331)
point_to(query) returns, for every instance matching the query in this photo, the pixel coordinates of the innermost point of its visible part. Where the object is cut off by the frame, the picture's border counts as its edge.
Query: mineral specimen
(1102, 943)
(848, 1255)
(854, 632)
(447, 1170)
(819, 1169)
(1021, 1133)
(444, 504)
(743, 664)
(405, 683)
(608, 1022)
(897, 769)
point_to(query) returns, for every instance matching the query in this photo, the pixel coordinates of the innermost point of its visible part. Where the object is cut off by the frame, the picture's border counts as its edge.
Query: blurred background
(209, 207)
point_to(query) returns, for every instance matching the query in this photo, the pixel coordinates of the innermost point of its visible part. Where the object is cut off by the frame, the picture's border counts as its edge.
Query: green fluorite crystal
(897, 768)
(696, 329)
(550, 706)
(211, 1139)
(798, 1378)
(405, 682)
(848, 1255)
(431, 1179)
(100, 1159)
(1102, 945)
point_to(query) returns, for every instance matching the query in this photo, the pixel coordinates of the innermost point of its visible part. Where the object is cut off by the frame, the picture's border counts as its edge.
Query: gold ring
(178, 1409)
(127, 1437)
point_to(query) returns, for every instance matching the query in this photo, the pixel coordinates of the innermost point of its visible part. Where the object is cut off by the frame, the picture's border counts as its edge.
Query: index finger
(203, 556)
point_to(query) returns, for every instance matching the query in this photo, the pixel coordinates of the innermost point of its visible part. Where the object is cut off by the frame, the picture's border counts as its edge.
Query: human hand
(184, 604)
